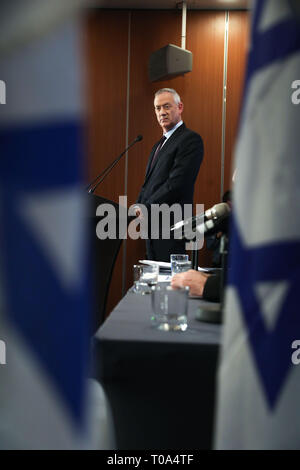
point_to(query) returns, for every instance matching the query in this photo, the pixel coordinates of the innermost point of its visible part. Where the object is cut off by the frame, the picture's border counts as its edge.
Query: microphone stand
(213, 313)
(224, 257)
(90, 188)
(195, 256)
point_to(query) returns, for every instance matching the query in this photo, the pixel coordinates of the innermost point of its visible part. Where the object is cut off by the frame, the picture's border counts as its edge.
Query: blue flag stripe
(53, 321)
(42, 156)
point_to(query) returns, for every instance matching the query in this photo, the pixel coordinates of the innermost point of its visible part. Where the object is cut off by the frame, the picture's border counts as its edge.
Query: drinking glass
(145, 277)
(169, 307)
(179, 263)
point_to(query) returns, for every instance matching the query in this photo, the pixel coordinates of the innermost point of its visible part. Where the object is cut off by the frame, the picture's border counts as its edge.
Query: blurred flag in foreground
(259, 382)
(44, 310)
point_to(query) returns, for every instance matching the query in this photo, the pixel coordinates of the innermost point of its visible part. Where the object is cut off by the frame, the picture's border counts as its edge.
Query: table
(160, 385)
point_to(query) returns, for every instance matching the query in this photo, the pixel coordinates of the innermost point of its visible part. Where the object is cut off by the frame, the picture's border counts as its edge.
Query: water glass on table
(180, 264)
(169, 307)
(145, 277)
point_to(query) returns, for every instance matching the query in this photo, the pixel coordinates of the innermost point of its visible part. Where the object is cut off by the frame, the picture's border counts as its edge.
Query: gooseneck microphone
(214, 213)
(213, 226)
(217, 211)
(92, 186)
(211, 221)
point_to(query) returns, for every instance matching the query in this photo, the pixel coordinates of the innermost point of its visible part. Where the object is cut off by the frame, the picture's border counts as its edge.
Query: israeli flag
(259, 379)
(44, 269)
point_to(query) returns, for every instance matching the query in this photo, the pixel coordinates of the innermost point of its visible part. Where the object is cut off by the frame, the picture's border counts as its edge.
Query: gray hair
(169, 90)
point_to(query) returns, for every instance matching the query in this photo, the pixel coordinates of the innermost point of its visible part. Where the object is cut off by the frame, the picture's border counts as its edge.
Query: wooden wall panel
(106, 53)
(107, 40)
(203, 101)
(239, 23)
(205, 38)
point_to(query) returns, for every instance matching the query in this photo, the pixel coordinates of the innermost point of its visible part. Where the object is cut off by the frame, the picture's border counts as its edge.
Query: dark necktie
(157, 150)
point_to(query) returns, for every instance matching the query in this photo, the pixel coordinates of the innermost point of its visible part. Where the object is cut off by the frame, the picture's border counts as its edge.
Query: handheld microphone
(213, 213)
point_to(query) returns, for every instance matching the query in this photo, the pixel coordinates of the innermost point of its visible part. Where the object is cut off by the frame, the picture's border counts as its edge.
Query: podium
(104, 253)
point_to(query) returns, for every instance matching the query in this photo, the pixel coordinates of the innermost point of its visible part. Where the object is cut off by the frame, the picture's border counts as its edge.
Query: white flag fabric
(258, 378)
(44, 260)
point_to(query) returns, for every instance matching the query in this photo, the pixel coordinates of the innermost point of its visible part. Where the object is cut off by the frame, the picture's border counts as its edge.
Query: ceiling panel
(173, 4)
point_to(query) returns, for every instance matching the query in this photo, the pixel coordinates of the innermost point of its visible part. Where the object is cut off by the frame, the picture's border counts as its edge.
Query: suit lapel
(165, 147)
(150, 160)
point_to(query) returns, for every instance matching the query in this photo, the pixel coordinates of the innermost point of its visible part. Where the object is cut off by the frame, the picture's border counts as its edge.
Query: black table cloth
(160, 385)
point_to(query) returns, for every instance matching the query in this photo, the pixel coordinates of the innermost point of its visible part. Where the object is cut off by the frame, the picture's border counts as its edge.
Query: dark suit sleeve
(183, 173)
(212, 288)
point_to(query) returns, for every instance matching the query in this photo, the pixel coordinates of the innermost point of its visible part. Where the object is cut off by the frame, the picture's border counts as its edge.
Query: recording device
(212, 214)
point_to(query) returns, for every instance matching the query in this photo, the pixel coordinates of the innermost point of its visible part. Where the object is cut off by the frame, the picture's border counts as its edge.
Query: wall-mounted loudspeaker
(168, 62)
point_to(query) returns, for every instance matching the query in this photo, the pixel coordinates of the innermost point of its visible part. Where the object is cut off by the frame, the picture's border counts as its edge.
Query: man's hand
(194, 279)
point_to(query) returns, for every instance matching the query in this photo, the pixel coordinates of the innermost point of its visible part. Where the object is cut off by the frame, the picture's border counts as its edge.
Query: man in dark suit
(172, 170)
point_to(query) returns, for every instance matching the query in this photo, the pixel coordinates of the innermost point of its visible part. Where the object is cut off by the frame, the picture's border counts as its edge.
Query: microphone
(213, 226)
(90, 188)
(218, 210)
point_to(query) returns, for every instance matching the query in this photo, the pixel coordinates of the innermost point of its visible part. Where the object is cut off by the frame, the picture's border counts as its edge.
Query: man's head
(168, 108)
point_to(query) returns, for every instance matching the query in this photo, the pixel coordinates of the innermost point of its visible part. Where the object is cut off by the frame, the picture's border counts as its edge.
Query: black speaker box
(168, 62)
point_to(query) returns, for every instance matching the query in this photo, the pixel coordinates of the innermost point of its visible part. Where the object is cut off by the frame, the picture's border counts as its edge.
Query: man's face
(168, 113)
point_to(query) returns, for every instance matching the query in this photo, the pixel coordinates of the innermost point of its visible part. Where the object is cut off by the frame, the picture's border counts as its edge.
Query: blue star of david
(273, 262)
